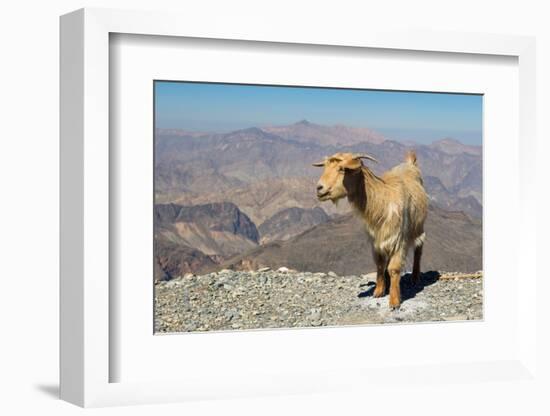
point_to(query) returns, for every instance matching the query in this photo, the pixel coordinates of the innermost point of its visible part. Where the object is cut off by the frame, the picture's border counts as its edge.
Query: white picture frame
(86, 305)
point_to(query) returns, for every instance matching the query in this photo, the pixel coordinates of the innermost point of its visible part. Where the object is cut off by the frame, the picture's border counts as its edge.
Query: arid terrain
(283, 298)
(244, 200)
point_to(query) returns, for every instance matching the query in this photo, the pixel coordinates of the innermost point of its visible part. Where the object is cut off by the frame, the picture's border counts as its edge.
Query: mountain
(442, 197)
(218, 162)
(226, 167)
(246, 198)
(219, 237)
(471, 184)
(190, 237)
(174, 259)
(453, 147)
(218, 217)
(337, 135)
(263, 199)
(290, 222)
(453, 243)
(452, 169)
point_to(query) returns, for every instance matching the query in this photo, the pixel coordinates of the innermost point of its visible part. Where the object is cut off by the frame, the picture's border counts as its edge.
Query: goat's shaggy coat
(393, 207)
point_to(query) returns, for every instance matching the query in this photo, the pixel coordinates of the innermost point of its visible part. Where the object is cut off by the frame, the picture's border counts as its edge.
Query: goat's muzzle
(322, 193)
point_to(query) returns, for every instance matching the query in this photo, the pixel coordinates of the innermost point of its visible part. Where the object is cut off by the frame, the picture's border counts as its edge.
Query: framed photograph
(250, 235)
(273, 212)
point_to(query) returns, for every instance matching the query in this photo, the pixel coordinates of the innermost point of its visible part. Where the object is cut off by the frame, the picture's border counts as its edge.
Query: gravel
(285, 298)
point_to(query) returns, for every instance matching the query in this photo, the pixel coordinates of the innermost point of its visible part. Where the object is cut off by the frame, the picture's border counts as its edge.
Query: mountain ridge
(187, 167)
(453, 242)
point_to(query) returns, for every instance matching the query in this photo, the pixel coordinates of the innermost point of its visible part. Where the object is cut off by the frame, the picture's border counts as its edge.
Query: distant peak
(249, 130)
(454, 146)
(447, 140)
(303, 122)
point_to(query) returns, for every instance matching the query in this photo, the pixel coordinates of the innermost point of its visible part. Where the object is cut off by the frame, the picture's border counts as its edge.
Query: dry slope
(453, 242)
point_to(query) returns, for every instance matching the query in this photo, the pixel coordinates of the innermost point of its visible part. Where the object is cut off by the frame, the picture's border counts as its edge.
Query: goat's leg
(394, 270)
(381, 262)
(416, 265)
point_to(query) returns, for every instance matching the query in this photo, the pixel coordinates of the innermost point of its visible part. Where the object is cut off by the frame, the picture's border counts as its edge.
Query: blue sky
(422, 117)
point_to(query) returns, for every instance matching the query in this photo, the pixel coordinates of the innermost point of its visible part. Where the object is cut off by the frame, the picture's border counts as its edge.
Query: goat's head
(339, 175)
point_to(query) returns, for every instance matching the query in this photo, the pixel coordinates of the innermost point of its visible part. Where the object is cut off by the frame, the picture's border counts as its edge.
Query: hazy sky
(422, 117)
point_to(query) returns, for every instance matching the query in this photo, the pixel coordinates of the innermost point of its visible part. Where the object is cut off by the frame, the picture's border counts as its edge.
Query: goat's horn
(318, 164)
(364, 156)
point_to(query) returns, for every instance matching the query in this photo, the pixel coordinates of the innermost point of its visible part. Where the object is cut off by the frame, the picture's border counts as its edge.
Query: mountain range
(189, 165)
(241, 199)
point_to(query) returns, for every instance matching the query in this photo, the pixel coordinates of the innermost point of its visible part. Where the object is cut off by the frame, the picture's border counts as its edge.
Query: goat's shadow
(408, 288)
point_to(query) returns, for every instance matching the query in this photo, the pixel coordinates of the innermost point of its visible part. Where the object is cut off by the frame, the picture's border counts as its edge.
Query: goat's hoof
(394, 305)
(378, 293)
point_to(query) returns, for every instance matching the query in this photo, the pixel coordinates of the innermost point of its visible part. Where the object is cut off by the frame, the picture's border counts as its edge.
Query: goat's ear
(351, 164)
(319, 164)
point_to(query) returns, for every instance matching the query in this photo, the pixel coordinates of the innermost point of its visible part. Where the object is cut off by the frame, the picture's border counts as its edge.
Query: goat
(393, 207)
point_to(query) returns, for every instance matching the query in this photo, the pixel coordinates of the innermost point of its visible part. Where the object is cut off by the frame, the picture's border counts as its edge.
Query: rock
(264, 269)
(229, 315)
(188, 275)
(283, 269)
(314, 314)
(332, 274)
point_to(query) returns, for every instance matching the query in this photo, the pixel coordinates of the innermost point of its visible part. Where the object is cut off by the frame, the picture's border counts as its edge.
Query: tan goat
(393, 207)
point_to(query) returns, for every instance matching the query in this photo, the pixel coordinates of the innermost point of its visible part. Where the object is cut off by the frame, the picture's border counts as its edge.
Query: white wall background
(29, 185)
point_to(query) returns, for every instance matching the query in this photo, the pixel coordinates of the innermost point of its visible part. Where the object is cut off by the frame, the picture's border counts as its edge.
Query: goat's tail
(410, 157)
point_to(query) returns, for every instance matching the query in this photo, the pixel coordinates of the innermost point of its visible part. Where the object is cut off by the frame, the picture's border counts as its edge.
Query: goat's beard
(336, 200)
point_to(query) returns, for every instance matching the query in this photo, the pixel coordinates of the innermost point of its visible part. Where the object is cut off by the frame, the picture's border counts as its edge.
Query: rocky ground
(283, 298)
